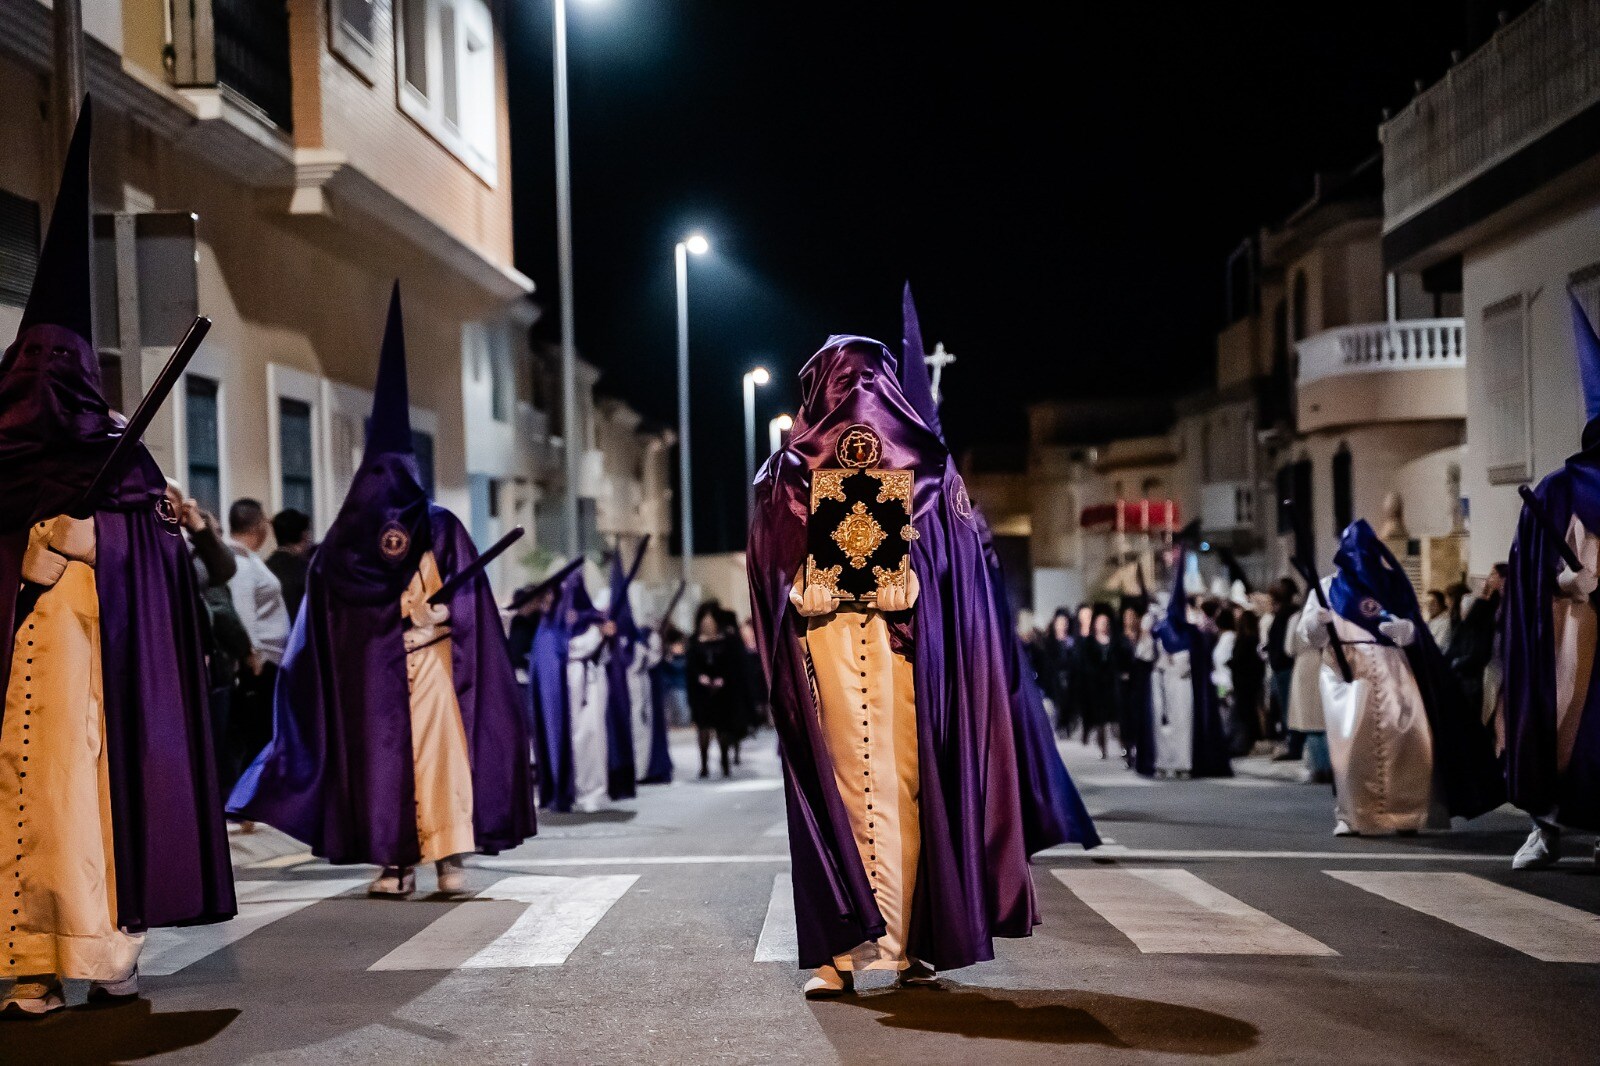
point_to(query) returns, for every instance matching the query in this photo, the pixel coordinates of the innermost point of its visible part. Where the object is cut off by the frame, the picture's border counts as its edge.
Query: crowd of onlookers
(1088, 664)
(250, 597)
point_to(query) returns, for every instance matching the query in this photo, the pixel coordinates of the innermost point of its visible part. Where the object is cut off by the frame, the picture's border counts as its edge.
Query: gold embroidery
(908, 532)
(858, 447)
(826, 576)
(895, 578)
(894, 486)
(827, 485)
(859, 535)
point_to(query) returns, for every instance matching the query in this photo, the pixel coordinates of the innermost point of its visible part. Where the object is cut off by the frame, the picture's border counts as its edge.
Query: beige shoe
(108, 993)
(32, 997)
(394, 882)
(830, 981)
(452, 874)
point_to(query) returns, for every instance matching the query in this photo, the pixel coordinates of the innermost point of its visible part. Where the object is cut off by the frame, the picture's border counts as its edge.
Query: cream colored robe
(1576, 632)
(1378, 734)
(55, 799)
(438, 739)
(587, 690)
(868, 707)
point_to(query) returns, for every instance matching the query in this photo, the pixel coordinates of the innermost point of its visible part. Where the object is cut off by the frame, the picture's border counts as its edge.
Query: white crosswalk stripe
(1170, 911)
(535, 920)
(780, 941)
(166, 951)
(1533, 925)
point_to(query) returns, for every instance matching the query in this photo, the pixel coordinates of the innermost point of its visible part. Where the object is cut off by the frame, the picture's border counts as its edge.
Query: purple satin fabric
(339, 773)
(973, 882)
(620, 767)
(1534, 779)
(169, 840)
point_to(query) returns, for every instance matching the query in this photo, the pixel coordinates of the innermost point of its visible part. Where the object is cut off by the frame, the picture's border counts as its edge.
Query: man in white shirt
(258, 599)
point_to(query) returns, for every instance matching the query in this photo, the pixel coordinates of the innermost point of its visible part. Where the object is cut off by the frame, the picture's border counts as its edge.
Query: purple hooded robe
(1209, 736)
(973, 883)
(169, 841)
(339, 772)
(1535, 778)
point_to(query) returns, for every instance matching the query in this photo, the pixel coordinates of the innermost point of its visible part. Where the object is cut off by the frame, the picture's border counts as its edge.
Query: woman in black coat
(1097, 667)
(1054, 666)
(719, 698)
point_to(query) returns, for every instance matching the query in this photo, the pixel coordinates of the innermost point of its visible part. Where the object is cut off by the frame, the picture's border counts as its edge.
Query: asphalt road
(1222, 921)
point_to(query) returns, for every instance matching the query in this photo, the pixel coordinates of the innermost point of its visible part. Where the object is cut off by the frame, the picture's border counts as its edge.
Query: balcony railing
(1416, 344)
(1539, 71)
(241, 45)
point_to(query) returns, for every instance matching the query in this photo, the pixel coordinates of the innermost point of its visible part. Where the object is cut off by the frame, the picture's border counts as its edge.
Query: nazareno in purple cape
(169, 841)
(1368, 587)
(1535, 778)
(572, 613)
(658, 766)
(1052, 810)
(973, 882)
(1176, 633)
(339, 773)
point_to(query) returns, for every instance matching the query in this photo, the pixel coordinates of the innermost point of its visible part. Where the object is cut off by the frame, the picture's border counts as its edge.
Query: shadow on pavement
(1045, 1017)
(107, 1035)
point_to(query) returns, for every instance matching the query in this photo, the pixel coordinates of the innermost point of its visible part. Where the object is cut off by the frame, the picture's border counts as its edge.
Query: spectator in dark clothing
(1280, 666)
(1472, 643)
(718, 700)
(1054, 666)
(289, 563)
(1096, 667)
(1133, 684)
(1249, 677)
(223, 637)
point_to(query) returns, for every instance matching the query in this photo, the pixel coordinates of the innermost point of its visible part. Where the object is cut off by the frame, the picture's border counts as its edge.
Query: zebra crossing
(540, 920)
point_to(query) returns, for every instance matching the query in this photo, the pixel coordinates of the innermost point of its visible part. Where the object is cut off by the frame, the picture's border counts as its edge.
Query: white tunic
(1576, 632)
(1172, 702)
(867, 701)
(646, 656)
(55, 797)
(1378, 735)
(438, 739)
(586, 694)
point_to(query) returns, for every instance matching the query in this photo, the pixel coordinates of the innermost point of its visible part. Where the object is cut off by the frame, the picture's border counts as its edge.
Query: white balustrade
(1415, 344)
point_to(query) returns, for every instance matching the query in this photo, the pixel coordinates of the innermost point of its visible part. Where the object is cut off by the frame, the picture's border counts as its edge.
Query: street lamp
(697, 244)
(758, 376)
(775, 431)
(569, 344)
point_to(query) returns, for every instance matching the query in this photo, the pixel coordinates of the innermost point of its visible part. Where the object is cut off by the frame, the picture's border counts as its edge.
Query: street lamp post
(775, 431)
(698, 245)
(569, 348)
(758, 376)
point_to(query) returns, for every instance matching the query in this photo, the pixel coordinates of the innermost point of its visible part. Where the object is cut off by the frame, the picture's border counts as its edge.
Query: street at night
(1222, 921)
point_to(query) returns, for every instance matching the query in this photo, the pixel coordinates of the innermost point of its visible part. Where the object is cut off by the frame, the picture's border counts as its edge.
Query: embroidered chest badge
(394, 542)
(1371, 608)
(167, 514)
(859, 447)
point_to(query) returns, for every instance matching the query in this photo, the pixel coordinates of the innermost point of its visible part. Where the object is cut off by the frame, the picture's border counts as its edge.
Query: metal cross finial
(938, 361)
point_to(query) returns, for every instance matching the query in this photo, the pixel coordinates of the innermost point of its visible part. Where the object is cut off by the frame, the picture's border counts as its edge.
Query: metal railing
(1415, 344)
(242, 45)
(1537, 72)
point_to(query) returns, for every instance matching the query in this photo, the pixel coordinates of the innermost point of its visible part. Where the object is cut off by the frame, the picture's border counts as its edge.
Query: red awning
(1131, 516)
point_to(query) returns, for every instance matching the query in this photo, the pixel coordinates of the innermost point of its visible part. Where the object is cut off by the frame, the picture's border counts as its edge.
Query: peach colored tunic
(438, 740)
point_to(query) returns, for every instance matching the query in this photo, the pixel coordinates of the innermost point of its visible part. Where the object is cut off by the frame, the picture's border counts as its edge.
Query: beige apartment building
(276, 166)
(1492, 189)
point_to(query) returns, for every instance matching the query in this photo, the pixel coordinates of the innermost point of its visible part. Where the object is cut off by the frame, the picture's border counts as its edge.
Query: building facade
(1492, 197)
(276, 165)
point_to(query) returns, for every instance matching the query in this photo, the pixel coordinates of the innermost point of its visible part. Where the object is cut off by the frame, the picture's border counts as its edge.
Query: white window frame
(473, 21)
(359, 52)
(341, 401)
(1585, 286)
(1504, 468)
(287, 383)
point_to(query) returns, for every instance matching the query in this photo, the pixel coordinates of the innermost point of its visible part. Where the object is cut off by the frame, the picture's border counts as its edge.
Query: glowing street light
(697, 244)
(775, 431)
(758, 376)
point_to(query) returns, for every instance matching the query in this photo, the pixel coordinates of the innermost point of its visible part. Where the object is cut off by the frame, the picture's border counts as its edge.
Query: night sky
(1062, 192)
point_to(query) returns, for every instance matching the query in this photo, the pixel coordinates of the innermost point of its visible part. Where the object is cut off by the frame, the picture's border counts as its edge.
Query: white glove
(1579, 585)
(73, 538)
(41, 566)
(1399, 630)
(814, 602)
(891, 598)
(427, 624)
(1316, 632)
